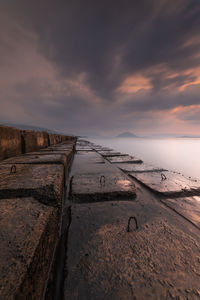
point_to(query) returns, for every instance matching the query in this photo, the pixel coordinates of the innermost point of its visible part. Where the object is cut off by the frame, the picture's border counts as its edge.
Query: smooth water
(181, 155)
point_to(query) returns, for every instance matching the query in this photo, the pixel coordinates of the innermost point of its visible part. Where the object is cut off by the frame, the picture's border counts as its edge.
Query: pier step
(44, 183)
(38, 158)
(97, 180)
(111, 153)
(29, 234)
(104, 187)
(138, 168)
(124, 159)
(188, 207)
(168, 183)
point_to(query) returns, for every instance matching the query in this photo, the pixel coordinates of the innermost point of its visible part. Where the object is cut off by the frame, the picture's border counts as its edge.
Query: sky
(101, 67)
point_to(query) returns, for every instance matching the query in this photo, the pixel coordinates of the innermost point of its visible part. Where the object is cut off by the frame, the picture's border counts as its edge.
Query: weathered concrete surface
(28, 234)
(44, 183)
(52, 139)
(10, 142)
(98, 149)
(101, 187)
(124, 159)
(110, 153)
(168, 183)
(84, 149)
(189, 207)
(160, 260)
(34, 140)
(94, 158)
(38, 158)
(139, 168)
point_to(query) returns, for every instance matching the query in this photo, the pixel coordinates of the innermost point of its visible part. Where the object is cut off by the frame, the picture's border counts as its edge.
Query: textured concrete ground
(28, 234)
(142, 249)
(32, 188)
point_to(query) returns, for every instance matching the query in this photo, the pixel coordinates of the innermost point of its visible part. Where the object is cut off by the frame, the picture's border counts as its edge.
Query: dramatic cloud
(96, 66)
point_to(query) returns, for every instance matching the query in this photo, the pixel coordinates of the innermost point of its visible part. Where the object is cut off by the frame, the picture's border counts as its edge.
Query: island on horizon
(127, 134)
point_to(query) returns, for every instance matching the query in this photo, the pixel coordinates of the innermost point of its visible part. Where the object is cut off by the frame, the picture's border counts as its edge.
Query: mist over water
(181, 155)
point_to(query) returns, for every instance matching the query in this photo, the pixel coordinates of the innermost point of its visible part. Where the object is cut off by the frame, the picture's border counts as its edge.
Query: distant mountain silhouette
(127, 135)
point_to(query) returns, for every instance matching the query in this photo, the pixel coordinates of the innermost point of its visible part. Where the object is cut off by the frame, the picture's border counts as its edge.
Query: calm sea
(181, 155)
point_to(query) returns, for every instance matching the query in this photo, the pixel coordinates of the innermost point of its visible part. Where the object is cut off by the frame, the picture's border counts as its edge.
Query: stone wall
(32, 188)
(10, 142)
(14, 142)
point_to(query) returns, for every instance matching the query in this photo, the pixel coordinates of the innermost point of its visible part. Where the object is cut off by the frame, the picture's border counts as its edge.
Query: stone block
(124, 159)
(101, 187)
(188, 207)
(38, 158)
(28, 234)
(10, 142)
(139, 168)
(44, 183)
(168, 183)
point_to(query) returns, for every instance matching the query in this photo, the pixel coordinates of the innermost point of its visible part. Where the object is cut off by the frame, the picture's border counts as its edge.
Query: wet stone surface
(94, 158)
(110, 153)
(159, 260)
(38, 159)
(104, 187)
(84, 149)
(124, 159)
(44, 183)
(168, 183)
(189, 207)
(139, 168)
(102, 149)
(28, 231)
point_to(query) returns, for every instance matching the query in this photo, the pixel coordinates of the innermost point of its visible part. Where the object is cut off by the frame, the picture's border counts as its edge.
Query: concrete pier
(112, 227)
(144, 246)
(32, 194)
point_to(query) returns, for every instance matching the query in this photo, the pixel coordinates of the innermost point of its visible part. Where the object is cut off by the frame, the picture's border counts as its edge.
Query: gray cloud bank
(69, 59)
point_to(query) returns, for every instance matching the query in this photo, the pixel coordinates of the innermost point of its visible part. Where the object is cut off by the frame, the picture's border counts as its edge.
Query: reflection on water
(182, 155)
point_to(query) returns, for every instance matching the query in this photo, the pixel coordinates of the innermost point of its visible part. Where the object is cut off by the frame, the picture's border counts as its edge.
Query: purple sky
(102, 67)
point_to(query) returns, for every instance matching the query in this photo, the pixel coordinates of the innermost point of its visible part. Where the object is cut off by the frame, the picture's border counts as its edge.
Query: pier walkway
(133, 230)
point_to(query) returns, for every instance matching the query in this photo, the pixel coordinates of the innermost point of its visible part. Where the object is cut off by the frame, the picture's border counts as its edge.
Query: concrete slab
(84, 149)
(38, 159)
(43, 183)
(159, 260)
(56, 151)
(92, 163)
(65, 148)
(102, 149)
(28, 234)
(124, 159)
(188, 207)
(168, 183)
(94, 158)
(10, 142)
(139, 168)
(110, 153)
(101, 187)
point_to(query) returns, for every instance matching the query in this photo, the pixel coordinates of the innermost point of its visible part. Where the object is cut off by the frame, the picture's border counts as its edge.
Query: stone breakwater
(117, 229)
(134, 230)
(14, 142)
(34, 167)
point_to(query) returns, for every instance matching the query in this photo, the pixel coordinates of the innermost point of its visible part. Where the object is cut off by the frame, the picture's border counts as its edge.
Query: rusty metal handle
(163, 176)
(129, 221)
(102, 180)
(13, 169)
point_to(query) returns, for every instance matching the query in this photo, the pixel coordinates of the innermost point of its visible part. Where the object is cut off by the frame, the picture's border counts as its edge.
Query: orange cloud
(133, 84)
